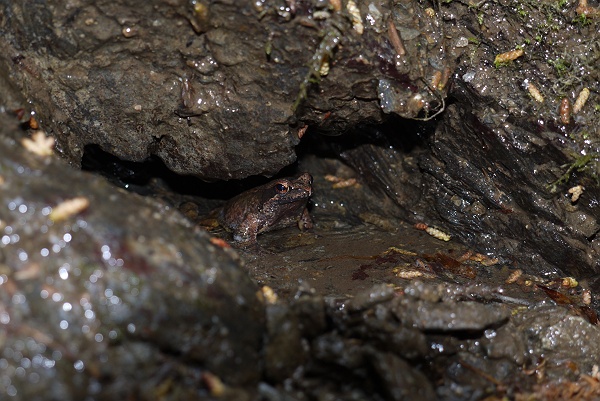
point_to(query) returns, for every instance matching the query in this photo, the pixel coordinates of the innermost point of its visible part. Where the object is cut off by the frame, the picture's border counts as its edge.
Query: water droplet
(23, 208)
(26, 363)
(78, 365)
(34, 378)
(57, 297)
(49, 363)
(23, 256)
(64, 324)
(4, 318)
(67, 237)
(32, 345)
(44, 252)
(131, 328)
(18, 299)
(99, 337)
(11, 390)
(89, 314)
(63, 273)
(67, 307)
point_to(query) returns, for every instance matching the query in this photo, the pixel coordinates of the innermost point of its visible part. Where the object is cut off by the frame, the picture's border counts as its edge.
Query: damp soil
(356, 244)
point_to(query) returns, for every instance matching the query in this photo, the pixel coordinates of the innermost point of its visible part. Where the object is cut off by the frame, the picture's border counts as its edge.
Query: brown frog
(278, 204)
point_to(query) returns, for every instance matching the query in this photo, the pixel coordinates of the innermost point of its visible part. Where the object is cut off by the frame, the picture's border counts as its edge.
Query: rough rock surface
(116, 298)
(429, 342)
(211, 90)
(502, 162)
(497, 170)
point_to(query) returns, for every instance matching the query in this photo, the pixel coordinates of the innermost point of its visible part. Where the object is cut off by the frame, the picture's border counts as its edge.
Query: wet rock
(114, 295)
(520, 217)
(449, 316)
(556, 336)
(400, 381)
(501, 163)
(213, 88)
(505, 342)
(389, 336)
(379, 344)
(372, 296)
(473, 377)
(333, 349)
(387, 163)
(310, 309)
(284, 350)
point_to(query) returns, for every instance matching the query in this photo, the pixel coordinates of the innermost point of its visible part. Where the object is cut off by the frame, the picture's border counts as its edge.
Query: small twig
(395, 38)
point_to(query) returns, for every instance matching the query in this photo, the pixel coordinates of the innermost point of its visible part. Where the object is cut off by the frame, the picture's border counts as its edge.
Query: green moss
(480, 19)
(581, 163)
(323, 54)
(521, 10)
(560, 65)
(582, 20)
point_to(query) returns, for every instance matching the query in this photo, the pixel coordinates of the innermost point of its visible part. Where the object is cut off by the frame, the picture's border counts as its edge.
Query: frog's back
(238, 210)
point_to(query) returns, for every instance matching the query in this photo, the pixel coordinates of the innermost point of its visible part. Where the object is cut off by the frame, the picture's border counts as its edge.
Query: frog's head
(287, 190)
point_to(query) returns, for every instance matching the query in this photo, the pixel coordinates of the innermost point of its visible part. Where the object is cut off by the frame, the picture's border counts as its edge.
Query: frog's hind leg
(245, 234)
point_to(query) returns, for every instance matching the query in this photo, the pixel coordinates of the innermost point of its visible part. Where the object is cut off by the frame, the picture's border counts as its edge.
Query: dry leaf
(39, 144)
(69, 208)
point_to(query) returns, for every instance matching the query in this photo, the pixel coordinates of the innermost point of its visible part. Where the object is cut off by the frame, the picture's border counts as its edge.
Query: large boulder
(109, 294)
(221, 90)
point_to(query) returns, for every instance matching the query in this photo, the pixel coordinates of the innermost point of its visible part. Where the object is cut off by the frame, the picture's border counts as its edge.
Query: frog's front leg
(305, 222)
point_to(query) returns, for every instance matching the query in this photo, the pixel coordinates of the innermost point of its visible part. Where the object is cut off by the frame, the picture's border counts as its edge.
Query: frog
(278, 204)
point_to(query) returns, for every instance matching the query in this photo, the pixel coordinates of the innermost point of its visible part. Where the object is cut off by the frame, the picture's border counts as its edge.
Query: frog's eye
(282, 188)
